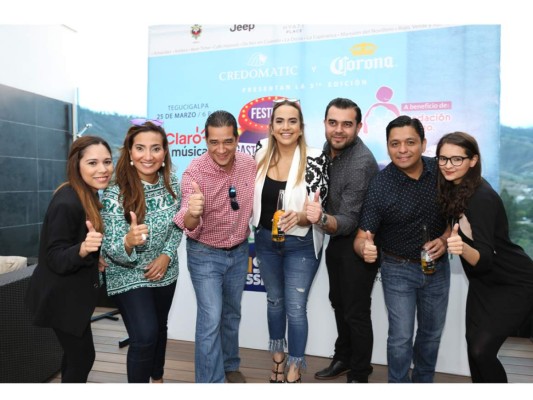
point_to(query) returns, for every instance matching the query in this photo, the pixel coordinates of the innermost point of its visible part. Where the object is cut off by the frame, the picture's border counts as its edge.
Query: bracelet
(126, 243)
(323, 221)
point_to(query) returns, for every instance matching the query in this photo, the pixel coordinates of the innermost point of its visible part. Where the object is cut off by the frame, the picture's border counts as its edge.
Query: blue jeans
(218, 277)
(408, 292)
(145, 314)
(288, 272)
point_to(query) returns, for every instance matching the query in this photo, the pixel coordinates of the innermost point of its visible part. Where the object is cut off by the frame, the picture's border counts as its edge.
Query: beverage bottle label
(277, 233)
(428, 264)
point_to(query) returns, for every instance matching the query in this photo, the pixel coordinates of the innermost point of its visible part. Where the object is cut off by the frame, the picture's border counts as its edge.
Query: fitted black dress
(500, 293)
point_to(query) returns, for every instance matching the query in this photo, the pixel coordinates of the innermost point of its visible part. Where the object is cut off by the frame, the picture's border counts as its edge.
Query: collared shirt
(220, 226)
(396, 206)
(349, 175)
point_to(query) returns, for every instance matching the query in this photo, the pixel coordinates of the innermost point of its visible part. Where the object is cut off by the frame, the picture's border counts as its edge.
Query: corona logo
(363, 49)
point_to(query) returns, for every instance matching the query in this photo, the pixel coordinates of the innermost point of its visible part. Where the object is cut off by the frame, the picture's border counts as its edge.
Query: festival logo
(254, 118)
(254, 283)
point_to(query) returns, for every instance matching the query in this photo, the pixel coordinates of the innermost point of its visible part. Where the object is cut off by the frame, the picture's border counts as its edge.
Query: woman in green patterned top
(140, 245)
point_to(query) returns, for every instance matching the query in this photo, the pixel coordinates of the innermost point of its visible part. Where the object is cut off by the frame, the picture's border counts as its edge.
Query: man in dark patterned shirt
(352, 165)
(400, 200)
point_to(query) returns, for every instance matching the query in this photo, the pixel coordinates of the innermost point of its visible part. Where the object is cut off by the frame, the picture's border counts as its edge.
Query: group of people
(127, 240)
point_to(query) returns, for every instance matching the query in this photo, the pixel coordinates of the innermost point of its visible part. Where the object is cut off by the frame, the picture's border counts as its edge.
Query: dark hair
(343, 104)
(454, 198)
(89, 201)
(219, 119)
(405, 120)
(127, 178)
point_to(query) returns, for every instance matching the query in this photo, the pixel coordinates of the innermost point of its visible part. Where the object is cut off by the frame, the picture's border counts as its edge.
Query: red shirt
(220, 226)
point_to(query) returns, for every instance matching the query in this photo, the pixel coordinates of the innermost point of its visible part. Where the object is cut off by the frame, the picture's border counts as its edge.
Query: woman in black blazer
(499, 272)
(63, 289)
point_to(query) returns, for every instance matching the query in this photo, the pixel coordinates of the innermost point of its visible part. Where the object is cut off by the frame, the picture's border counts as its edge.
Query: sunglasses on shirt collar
(232, 195)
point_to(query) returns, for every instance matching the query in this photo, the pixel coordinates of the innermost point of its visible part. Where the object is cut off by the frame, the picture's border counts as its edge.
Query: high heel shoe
(299, 380)
(278, 372)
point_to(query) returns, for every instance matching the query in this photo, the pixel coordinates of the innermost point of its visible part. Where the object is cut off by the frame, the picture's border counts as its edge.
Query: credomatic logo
(257, 60)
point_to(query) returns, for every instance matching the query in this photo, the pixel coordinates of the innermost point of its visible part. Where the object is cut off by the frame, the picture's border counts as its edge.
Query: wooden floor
(110, 364)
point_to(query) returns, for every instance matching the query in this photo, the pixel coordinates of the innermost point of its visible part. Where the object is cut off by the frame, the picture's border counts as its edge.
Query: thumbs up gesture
(92, 241)
(137, 234)
(455, 242)
(196, 201)
(369, 249)
(313, 210)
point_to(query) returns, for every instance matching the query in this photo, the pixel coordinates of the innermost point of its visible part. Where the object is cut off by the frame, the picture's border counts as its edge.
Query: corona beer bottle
(277, 233)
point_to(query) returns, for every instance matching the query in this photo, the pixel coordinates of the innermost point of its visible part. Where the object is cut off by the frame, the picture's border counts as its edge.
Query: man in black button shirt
(351, 167)
(400, 200)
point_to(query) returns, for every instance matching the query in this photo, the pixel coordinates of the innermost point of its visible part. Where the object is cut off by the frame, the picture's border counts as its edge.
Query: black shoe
(335, 369)
(358, 380)
(359, 377)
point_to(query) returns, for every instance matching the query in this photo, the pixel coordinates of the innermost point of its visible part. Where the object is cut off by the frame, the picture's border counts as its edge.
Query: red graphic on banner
(254, 118)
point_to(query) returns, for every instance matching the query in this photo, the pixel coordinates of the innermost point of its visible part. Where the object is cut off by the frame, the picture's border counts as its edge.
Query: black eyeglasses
(142, 121)
(456, 161)
(232, 195)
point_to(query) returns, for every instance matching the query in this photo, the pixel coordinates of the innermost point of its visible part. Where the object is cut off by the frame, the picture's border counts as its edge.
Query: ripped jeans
(287, 272)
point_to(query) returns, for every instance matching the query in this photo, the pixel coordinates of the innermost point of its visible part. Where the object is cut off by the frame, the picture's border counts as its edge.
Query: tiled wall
(35, 135)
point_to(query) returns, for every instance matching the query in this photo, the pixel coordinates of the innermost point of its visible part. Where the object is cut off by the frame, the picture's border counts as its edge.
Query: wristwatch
(323, 220)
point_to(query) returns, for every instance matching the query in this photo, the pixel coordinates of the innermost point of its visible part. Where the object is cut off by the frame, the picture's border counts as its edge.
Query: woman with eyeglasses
(500, 273)
(140, 245)
(64, 288)
(285, 162)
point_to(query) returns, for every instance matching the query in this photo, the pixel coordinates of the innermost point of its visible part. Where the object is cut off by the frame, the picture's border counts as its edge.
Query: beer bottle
(277, 233)
(428, 264)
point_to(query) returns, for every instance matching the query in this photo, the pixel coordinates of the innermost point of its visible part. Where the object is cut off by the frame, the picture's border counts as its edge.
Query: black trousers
(145, 314)
(78, 355)
(350, 288)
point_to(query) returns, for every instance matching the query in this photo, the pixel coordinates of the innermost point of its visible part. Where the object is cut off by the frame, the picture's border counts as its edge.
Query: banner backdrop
(446, 76)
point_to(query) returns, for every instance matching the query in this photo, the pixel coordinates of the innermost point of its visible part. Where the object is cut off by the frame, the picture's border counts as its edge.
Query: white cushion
(12, 263)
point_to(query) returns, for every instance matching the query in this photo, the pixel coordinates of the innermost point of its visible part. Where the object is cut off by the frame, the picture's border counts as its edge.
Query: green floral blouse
(126, 272)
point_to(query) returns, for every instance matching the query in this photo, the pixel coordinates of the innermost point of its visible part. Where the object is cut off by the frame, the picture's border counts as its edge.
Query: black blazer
(63, 289)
